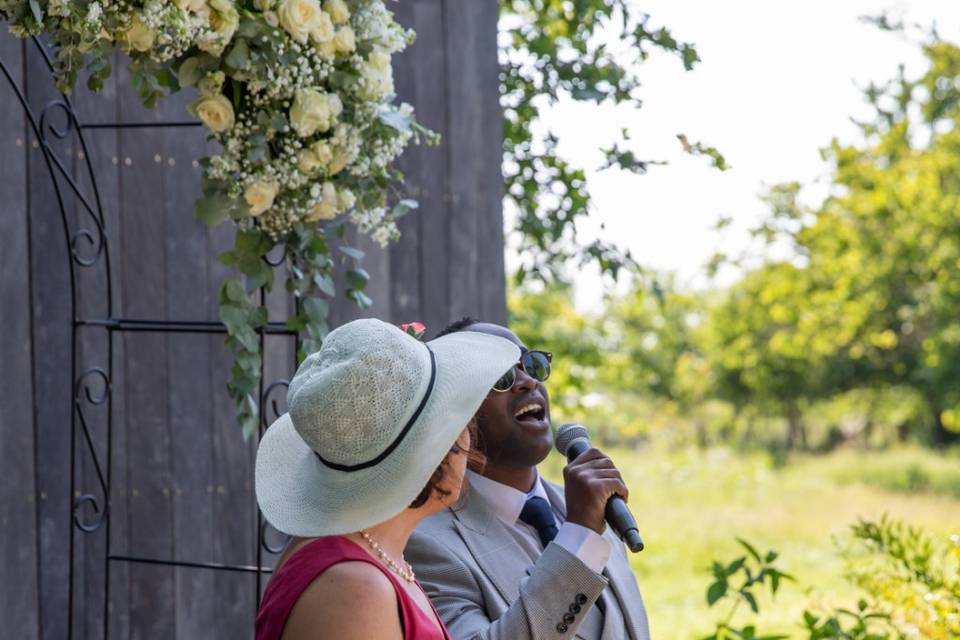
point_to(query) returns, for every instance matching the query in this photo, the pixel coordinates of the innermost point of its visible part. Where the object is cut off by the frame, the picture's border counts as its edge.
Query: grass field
(692, 505)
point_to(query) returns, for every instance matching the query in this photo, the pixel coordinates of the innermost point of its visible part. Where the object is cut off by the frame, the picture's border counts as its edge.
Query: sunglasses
(535, 364)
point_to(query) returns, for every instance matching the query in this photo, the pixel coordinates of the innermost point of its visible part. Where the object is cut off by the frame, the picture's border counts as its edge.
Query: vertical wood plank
(50, 300)
(233, 537)
(485, 69)
(464, 162)
(188, 298)
(18, 523)
(141, 267)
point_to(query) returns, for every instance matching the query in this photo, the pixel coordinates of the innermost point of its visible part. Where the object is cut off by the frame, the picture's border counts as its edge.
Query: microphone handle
(616, 513)
(619, 517)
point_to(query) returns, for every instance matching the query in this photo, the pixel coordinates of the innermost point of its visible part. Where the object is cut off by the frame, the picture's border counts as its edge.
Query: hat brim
(301, 496)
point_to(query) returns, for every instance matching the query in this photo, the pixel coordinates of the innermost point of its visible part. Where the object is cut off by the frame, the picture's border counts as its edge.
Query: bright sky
(777, 81)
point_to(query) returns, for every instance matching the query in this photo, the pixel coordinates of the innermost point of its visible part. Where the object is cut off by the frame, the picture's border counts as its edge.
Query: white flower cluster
(295, 91)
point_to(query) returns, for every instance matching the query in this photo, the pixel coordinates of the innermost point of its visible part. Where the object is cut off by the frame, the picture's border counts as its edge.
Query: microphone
(572, 440)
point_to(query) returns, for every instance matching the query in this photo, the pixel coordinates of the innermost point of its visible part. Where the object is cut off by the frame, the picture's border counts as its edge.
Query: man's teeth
(534, 406)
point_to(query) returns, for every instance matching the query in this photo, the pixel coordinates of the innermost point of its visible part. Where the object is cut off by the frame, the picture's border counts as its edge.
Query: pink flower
(415, 329)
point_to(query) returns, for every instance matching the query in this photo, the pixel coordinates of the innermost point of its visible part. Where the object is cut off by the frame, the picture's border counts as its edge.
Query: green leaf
(316, 309)
(734, 566)
(278, 121)
(353, 253)
(325, 284)
(716, 591)
(189, 73)
(239, 56)
(212, 210)
(357, 279)
(750, 600)
(232, 291)
(363, 300)
(36, 11)
(750, 549)
(262, 278)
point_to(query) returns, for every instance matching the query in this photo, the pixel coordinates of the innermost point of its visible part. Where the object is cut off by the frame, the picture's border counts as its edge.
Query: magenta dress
(306, 565)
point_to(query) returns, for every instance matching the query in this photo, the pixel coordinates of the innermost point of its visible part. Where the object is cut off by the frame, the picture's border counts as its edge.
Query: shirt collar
(505, 502)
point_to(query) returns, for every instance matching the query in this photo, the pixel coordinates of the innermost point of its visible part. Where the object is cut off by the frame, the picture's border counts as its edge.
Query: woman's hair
(475, 462)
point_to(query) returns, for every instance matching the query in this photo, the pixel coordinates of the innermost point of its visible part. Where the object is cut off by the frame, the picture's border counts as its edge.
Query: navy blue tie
(538, 514)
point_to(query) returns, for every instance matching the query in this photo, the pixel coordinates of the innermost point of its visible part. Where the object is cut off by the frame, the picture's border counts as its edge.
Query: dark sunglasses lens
(536, 365)
(506, 380)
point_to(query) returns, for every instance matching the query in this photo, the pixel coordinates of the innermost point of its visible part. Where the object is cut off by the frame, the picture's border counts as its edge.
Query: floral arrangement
(299, 95)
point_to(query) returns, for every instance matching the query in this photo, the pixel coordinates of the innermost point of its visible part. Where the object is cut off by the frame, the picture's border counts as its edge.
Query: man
(521, 558)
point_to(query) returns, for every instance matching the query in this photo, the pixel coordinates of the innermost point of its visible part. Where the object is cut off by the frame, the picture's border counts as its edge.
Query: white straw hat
(371, 416)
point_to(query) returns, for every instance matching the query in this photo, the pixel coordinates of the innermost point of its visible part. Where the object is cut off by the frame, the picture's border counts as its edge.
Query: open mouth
(530, 412)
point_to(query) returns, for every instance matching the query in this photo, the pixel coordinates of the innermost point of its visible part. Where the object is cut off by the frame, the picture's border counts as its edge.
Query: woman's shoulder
(346, 601)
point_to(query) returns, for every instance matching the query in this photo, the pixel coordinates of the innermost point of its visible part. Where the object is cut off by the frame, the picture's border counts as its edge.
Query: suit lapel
(493, 547)
(623, 586)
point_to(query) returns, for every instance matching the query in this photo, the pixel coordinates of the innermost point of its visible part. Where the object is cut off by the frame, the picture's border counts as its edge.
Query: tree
(873, 297)
(556, 48)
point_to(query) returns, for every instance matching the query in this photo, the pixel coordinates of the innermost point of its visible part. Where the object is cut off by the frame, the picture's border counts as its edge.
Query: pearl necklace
(407, 574)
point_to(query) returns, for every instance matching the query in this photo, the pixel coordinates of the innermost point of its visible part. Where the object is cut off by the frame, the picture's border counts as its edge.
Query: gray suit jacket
(484, 588)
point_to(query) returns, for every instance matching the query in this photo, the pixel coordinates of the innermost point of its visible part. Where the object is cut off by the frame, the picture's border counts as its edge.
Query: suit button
(581, 599)
(574, 608)
(569, 618)
(562, 628)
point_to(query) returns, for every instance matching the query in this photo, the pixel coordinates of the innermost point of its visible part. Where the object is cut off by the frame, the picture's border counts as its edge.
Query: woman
(375, 440)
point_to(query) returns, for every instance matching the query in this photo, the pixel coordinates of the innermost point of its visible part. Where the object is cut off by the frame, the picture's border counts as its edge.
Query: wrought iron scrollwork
(269, 399)
(84, 390)
(92, 411)
(78, 521)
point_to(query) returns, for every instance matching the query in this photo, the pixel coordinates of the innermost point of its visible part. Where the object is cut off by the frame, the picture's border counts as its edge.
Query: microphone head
(568, 433)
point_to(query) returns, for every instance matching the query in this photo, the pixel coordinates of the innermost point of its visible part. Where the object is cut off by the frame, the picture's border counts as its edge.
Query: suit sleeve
(556, 583)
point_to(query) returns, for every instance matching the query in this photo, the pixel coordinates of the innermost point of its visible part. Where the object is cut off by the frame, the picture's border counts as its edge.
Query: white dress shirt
(590, 547)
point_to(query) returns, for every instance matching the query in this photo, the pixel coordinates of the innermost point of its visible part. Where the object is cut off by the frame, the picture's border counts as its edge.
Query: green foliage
(914, 574)
(912, 580)
(552, 49)
(737, 581)
(752, 570)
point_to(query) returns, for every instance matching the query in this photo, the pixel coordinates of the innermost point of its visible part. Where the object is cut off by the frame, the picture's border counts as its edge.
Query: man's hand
(589, 482)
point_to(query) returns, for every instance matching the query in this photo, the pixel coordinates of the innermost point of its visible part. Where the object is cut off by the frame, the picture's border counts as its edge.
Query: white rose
(323, 152)
(346, 199)
(345, 40)
(191, 5)
(260, 196)
(327, 50)
(326, 209)
(224, 20)
(314, 111)
(316, 157)
(299, 17)
(378, 73)
(215, 112)
(324, 31)
(263, 5)
(139, 36)
(271, 18)
(340, 160)
(323, 210)
(338, 10)
(308, 162)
